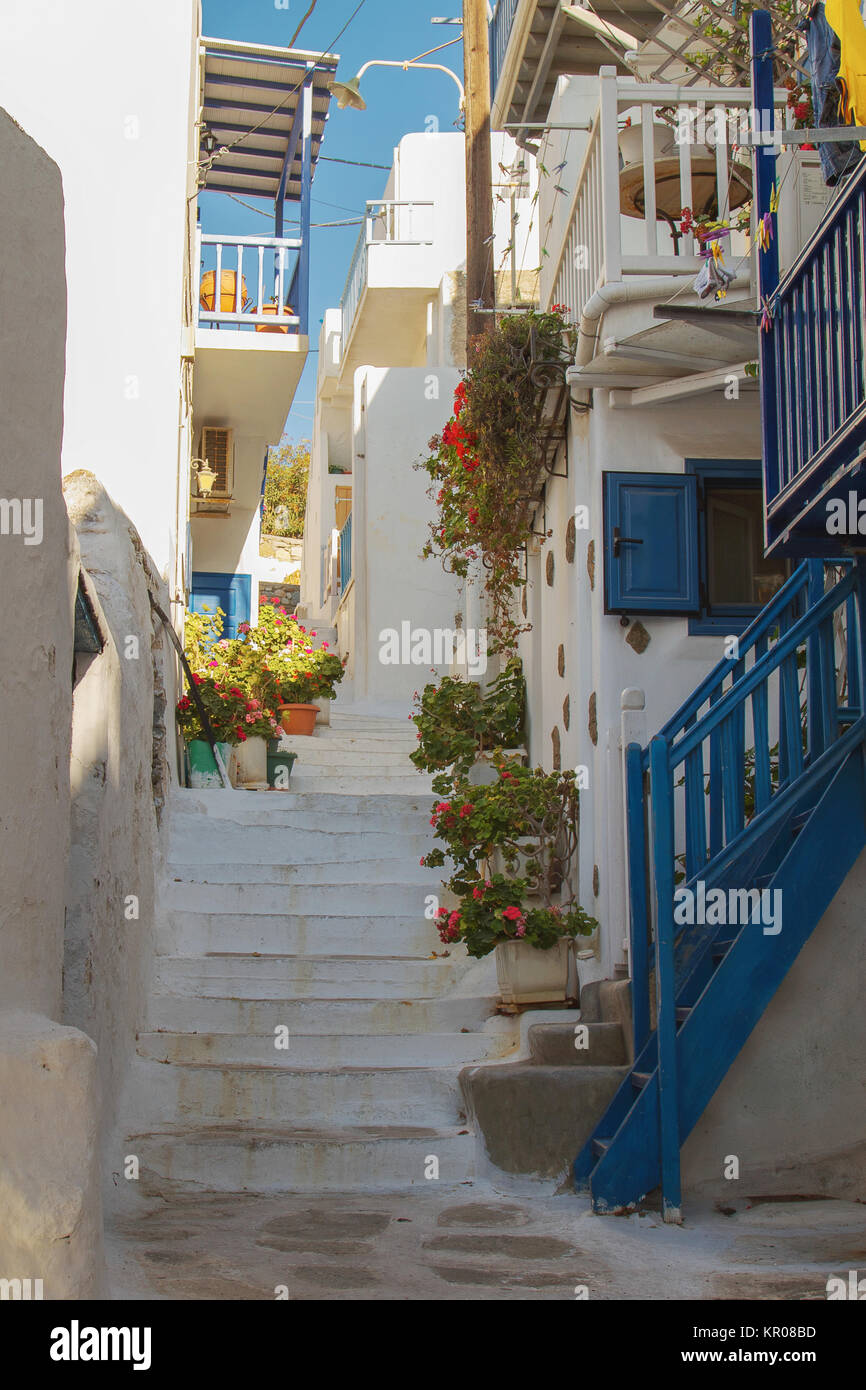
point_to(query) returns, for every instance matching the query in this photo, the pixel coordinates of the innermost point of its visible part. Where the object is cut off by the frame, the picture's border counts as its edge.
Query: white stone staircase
(298, 916)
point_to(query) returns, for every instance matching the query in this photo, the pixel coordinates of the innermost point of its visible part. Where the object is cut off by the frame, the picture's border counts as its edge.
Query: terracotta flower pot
(228, 288)
(298, 719)
(277, 328)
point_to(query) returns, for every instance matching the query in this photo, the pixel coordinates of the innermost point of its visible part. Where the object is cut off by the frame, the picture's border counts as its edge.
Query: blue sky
(397, 102)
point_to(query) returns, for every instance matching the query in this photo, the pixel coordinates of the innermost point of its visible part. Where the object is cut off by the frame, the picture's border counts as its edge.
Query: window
(689, 544)
(735, 579)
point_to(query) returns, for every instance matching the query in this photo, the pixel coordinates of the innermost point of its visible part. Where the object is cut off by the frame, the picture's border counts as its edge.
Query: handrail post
(668, 1087)
(761, 39)
(814, 688)
(609, 156)
(633, 738)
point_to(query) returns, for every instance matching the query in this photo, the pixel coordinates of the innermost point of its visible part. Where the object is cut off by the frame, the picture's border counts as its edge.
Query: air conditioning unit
(217, 446)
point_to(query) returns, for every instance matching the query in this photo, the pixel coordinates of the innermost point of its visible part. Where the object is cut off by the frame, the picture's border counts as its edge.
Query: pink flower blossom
(521, 930)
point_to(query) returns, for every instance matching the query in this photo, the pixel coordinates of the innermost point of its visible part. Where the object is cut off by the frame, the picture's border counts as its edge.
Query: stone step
(204, 934)
(338, 781)
(404, 869)
(268, 848)
(553, 1044)
(237, 1158)
(313, 1017)
(324, 1050)
(276, 977)
(304, 1096)
(353, 811)
(316, 752)
(307, 901)
(364, 723)
(371, 739)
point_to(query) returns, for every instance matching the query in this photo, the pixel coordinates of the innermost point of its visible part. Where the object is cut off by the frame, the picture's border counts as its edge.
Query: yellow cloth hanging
(845, 20)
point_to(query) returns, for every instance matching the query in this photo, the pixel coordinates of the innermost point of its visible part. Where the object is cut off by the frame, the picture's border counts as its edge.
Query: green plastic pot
(279, 766)
(203, 771)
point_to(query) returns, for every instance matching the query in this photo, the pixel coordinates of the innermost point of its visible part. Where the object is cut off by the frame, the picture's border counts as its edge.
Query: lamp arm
(394, 63)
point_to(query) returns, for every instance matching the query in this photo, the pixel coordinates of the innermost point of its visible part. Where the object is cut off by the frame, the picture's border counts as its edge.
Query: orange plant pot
(228, 291)
(299, 719)
(273, 309)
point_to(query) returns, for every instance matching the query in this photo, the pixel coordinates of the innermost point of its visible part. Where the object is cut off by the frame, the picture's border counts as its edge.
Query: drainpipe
(608, 297)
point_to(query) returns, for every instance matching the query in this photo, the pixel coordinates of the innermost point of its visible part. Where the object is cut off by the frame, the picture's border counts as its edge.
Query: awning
(254, 91)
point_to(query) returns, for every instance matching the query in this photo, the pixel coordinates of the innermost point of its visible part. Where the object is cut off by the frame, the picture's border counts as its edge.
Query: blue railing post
(637, 889)
(663, 858)
(761, 36)
(814, 707)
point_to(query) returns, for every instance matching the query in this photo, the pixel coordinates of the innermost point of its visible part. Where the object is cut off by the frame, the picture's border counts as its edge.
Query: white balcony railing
(685, 139)
(387, 222)
(256, 279)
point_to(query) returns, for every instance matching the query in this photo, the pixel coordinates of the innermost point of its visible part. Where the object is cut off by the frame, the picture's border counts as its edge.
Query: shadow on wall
(119, 780)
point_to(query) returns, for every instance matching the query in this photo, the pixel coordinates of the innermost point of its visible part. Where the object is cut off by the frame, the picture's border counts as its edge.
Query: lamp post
(349, 93)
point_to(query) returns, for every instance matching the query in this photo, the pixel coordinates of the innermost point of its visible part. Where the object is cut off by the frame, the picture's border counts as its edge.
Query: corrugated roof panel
(250, 97)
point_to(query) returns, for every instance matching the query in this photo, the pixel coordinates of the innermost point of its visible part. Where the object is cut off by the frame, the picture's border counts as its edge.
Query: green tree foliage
(286, 489)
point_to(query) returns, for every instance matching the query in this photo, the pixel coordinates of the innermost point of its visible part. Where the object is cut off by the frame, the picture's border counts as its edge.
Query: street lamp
(349, 93)
(205, 476)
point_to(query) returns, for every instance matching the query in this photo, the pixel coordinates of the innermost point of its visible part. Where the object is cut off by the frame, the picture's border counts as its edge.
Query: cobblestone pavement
(477, 1243)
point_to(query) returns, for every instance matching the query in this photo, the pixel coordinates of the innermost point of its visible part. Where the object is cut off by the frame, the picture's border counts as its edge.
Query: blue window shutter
(651, 543)
(230, 592)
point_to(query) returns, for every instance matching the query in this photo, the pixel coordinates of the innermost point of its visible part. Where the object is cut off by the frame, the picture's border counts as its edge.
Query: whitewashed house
(389, 360)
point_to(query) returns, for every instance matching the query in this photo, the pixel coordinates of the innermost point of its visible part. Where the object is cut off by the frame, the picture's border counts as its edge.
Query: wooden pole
(480, 279)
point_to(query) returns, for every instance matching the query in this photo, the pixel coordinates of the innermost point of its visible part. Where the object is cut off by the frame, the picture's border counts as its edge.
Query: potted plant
(512, 846)
(234, 718)
(460, 730)
(280, 766)
(284, 669)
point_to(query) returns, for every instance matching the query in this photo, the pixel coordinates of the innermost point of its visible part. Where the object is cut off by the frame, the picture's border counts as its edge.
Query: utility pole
(480, 278)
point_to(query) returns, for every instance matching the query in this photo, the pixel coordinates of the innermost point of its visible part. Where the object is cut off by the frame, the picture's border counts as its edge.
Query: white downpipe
(608, 297)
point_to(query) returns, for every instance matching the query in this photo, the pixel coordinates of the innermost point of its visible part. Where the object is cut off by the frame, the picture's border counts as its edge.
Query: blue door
(230, 592)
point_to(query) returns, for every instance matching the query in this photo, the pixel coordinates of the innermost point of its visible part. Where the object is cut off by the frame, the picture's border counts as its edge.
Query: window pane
(738, 572)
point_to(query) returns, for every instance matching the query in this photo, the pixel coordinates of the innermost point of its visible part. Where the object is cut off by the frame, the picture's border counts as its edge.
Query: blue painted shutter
(230, 592)
(651, 543)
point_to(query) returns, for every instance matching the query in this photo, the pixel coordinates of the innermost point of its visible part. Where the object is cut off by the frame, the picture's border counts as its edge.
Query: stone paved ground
(477, 1243)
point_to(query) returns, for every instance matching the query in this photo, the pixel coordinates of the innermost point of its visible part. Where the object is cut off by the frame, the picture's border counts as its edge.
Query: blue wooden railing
(500, 32)
(719, 779)
(813, 374)
(346, 554)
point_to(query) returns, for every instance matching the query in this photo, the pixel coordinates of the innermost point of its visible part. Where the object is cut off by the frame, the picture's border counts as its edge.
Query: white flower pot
(250, 762)
(527, 975)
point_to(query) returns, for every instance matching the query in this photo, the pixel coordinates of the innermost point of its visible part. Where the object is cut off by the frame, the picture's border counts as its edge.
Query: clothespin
(774, 199)
(766, 315)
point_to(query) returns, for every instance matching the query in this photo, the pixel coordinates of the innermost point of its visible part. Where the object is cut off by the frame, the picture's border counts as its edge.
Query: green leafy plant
(484, 465)
(497, 909)
(285, 499)
(456, 722)
(511, 845)
(275, 661)
(234, 714)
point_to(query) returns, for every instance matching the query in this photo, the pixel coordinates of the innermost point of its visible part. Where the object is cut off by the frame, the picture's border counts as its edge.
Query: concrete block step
(238, 1158)
(266, 976)
(330, 809)
(313, 1017)
(336, 752)
(534, 1119)
(303, 900)
(403, 867)
(341, 783)
(317, 1051)
(203, 1092)
(308, 936)
(256, 846)
(554, 1044)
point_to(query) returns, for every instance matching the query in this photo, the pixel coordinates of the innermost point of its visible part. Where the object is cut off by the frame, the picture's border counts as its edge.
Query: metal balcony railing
(346, 554)
(813, 365)
(387, 222)
(500, 32)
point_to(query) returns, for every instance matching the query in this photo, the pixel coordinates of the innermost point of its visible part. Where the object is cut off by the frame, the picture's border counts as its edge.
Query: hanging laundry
(712, 278)
(837, 158)
(846, 21)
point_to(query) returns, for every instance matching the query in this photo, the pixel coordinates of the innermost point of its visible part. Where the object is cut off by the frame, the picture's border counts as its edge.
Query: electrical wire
(302, 23)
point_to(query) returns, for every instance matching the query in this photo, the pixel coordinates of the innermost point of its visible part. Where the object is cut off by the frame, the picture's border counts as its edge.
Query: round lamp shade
(669, 198)
(348, 94)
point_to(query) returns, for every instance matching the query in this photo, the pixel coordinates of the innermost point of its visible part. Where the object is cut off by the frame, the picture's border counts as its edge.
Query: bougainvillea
(484, 465)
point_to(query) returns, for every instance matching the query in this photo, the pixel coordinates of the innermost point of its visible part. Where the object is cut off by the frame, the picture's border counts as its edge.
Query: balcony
(813, 387)
(619, 240)
(392, 276)
(534, 42)
(250, 338)
(264, 112)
